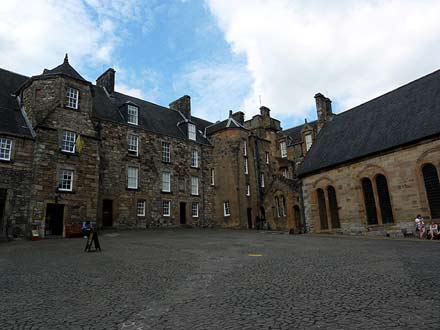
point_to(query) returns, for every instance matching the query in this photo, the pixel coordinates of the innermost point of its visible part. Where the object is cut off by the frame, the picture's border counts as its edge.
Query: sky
(229, 54)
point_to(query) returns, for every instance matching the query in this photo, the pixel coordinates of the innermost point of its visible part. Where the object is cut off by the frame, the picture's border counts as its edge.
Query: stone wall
(402, 169)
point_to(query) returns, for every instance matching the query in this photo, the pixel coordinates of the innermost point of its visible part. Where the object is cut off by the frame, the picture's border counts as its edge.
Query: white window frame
(166, 152)
(226, 208)
(5, 149)
(246, 167)
(309, 141)
(132, 177)
(195, 158)
(285, 172)
(133, 144)
(248, 190)
(166, 181)
(67, 143)
(191, 131)
(244, 148)
(72, 95)
(267, 158)
(132, 114)
(283, 148)
(194, 185)
(166, 208)
(262, 180)
(65, 180)
(140, 207)
(212, 177)
(195, 210)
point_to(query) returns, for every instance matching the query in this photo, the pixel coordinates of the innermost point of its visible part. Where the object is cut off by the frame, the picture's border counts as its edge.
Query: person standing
(420, 225)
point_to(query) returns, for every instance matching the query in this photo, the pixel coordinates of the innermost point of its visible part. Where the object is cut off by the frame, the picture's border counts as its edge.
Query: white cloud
(350, 50)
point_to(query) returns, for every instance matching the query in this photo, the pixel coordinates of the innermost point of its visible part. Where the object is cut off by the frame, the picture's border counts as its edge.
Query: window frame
(283, 149)
(194, 185)
(132, 115)
(61, 179)
(267, 158)
(195, 158)
(226, 208)
(65, 142)
(133, 151)
(307, 142)
(167, 207)
(166, 152)
(245, 148)
(196, 209)
(212, 177)
(262, 180)
(140, 204)
(248, 189)
(246, 166)
(192, 132)
(136, 171)
(5, 148)
(166, 183)
(72, 98)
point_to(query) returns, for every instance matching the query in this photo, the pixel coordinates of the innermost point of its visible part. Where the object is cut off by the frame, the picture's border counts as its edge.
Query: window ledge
(70, 108)
(65, 191)
(166, 192)
(68, 153)
(132, 155)
(132, 189)
(6, 161)
(164, 162)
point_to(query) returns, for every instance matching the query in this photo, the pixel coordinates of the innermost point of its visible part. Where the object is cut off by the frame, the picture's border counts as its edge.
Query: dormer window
(192, 132)
(72, 98)
(132, 114)
(308, 139)
(283, 149)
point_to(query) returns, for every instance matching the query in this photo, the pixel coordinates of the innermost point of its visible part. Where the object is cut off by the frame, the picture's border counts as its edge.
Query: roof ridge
(19, 74)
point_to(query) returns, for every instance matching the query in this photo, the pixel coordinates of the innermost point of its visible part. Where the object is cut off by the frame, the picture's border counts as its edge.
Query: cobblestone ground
(205, 279)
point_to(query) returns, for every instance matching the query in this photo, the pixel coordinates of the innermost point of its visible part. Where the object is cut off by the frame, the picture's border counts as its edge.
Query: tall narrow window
(432, 186)
(384, 199)
(192, 132)
(244, 148)
(195, 210)
(66, 180)
(166, 154)
(72, 98)
(5, 149)
(322, 208)
(212, 177)
(166, 181)
(194, 185)
(370, 204)
(283, 148)
(309, 142)
(132, 114)
(194, 158)
(246, 168)
(283, 205)
(132, 177)
(140, 206)
(133, 144)
(68, 142)
(248, 190)
(262, 180)
(277, 206)
(333, 205)
(166, 208)
(284, 172)
(267, 158)
(226, 209)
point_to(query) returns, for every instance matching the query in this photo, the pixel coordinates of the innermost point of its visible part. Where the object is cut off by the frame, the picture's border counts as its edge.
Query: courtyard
(220, 279)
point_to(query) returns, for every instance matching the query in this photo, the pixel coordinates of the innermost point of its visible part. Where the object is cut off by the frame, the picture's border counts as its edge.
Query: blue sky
(226, 54)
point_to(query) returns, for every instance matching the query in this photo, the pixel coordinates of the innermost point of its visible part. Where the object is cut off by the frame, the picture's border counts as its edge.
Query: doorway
(182, 213)
(249, 218)
(297, 216)
(107, 213)
(54, 219)
(2, 209)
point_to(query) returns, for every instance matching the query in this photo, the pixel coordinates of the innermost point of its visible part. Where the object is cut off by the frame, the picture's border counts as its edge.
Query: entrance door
(54, 219)
(107, 213)
(297, 216)
(2, 209)
(182, 213)
(249, 218)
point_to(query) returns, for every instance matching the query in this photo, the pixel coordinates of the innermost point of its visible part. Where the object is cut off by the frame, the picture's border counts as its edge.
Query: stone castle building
(72, 151)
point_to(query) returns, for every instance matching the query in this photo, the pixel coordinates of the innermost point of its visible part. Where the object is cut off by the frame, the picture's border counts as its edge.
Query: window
(68, 142)
(267, 158)
(246, 169)
(166, 181)
(212, 177)
(227, 209)
(283, 148)
(166, 208)
(370, 203)
(195, 210)
(132, 114)
(194, 185)
(308, 139)
(322, 208)
(248, 190)
(284, 210)
(5, 149)
(244, 148)
(262, 180)
(194, 158)
(66, 180)
(192, 132)
(432, 187)
(72, 98)
(384, 199)
(132, 177)
(333, 205)
(285, 173)
(133, 143)
(277, 206)
(166, 154)
(140, 208)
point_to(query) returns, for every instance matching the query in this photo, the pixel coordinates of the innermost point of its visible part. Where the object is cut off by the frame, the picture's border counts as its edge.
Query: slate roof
(227, 123)
(295, 132)
(11, 119)
(152, 117)
(401, 117)
(64, 69)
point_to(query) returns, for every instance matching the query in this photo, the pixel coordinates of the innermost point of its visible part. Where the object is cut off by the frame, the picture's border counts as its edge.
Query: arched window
(384, 199)
(283, 200)
(432, 186)
(322, 209)
(333, 205)
(370, 204)
(277, 206)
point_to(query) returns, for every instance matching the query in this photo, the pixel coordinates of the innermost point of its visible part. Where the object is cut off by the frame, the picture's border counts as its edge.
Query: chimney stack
(265, 111)
(107, 80)
(183, 105)
(238, 117)
(323, 109)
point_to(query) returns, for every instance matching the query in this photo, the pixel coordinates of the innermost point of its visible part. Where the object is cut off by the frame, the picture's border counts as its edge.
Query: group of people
(430, 231)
